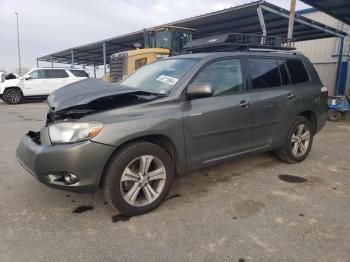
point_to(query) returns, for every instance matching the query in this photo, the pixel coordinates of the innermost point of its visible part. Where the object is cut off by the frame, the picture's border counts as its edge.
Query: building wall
(322, 52)
(327, 73)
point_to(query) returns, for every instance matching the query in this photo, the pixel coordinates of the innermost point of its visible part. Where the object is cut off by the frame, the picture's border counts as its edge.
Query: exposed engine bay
(101, 104)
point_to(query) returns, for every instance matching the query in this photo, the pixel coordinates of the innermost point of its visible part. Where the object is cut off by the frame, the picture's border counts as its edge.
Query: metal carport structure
(339, 9)
(257, 17)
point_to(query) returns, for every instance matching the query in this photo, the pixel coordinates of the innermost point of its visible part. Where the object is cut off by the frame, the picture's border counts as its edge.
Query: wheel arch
(311, 116)
(161, 140)
(13, 87)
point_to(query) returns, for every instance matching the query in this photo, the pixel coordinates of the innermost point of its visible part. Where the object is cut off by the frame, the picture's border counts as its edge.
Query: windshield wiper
(144, 92)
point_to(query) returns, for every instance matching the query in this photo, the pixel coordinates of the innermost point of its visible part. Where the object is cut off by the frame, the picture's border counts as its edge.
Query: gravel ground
(247, 210)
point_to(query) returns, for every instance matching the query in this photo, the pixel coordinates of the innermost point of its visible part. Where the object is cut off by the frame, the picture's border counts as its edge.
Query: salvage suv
(173, 116)
(38, 83)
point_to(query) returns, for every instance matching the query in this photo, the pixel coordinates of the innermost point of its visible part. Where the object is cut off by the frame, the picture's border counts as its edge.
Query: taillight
(324, 91)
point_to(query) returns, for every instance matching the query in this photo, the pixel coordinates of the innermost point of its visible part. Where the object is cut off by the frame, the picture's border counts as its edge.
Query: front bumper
(47, 163)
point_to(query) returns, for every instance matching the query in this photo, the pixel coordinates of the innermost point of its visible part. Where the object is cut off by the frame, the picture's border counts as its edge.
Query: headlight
(69, 132)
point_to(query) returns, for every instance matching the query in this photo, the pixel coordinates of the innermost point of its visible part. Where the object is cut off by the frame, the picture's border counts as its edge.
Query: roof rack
(271, 50)
(237, 42)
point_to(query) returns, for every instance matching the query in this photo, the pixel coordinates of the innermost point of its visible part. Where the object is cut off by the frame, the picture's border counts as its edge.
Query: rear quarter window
(79, 73)
(297, 71)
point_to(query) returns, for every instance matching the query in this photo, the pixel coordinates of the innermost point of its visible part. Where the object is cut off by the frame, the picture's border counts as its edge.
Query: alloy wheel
(13, 97)
(300, 140)
(143, 180)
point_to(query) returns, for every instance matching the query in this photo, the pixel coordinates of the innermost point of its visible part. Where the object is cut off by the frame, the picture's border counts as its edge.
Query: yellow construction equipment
(125, 63)
(158, 43)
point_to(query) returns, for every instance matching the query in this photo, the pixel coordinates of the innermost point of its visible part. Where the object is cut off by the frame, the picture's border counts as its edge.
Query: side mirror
(200, 89)
(27, 77)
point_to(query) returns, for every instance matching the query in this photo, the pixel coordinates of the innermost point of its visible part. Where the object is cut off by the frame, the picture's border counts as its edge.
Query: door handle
(244, 103)
(290, 96)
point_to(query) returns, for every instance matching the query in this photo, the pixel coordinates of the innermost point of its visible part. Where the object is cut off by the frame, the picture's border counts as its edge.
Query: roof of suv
(52, 68)
(275, 53)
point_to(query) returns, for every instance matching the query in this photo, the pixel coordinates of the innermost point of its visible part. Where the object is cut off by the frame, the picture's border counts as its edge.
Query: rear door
(57, 78)
(275, 101)
(218, 127)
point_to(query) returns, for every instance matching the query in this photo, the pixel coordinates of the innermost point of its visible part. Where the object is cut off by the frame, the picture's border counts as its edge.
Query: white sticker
(212, 40)
(168, 80)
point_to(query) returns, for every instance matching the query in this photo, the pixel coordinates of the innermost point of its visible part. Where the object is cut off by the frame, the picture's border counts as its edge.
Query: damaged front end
(55, 153)
(92, 96)
(100, 105)
(35, 136)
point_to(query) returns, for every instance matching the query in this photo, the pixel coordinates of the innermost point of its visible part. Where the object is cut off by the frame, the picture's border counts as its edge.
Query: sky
(47, 26)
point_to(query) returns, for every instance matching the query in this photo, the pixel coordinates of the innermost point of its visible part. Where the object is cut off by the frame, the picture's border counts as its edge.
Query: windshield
(161, 76)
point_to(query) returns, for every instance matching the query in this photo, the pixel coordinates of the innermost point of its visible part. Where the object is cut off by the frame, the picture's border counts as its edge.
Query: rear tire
(13, 96)
(334, 116)
(138, 178)
(298, 142)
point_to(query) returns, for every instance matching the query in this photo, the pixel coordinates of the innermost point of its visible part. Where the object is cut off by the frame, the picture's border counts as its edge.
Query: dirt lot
(242, 211)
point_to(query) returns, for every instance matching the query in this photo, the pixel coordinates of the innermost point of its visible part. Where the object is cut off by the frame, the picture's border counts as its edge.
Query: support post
(51, 61)
(37, 63)
(18, 47)
(104, 58)
(291, 23)
(145, 38)
(94, 71)
(262, 24)
(340, 85)
(72, 57)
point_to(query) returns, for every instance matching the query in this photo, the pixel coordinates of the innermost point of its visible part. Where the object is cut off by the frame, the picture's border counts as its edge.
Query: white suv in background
(39, 83)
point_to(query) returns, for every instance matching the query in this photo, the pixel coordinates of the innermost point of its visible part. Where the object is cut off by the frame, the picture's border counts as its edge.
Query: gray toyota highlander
(173, 116)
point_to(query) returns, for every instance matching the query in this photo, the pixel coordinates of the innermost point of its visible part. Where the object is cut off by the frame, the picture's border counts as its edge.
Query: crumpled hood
(85, 91)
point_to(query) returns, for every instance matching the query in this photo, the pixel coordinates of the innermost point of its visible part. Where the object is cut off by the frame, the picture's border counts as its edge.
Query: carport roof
(239, 19)
(339, 9)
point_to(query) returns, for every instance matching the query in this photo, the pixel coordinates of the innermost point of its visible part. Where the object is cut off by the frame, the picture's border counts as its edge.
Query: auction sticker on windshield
(167, 79)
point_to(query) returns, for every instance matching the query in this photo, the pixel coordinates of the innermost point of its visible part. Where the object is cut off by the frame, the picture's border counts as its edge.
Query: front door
(36, 85)
(218, 127)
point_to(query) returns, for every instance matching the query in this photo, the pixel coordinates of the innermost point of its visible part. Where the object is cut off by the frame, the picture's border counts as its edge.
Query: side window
(37, 74)
(225, 76)
(264, 72)
(79, 73)
(297, 70)
(55, 73)
(140, 62)
(283, 72)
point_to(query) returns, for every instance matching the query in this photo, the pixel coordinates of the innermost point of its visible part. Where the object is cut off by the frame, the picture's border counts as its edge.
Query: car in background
(11, 76)
(38, 83)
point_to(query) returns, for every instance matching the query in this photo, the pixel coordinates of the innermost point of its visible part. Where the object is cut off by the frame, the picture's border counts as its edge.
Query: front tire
(298, 142)
(138, 178)
(13, 96)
